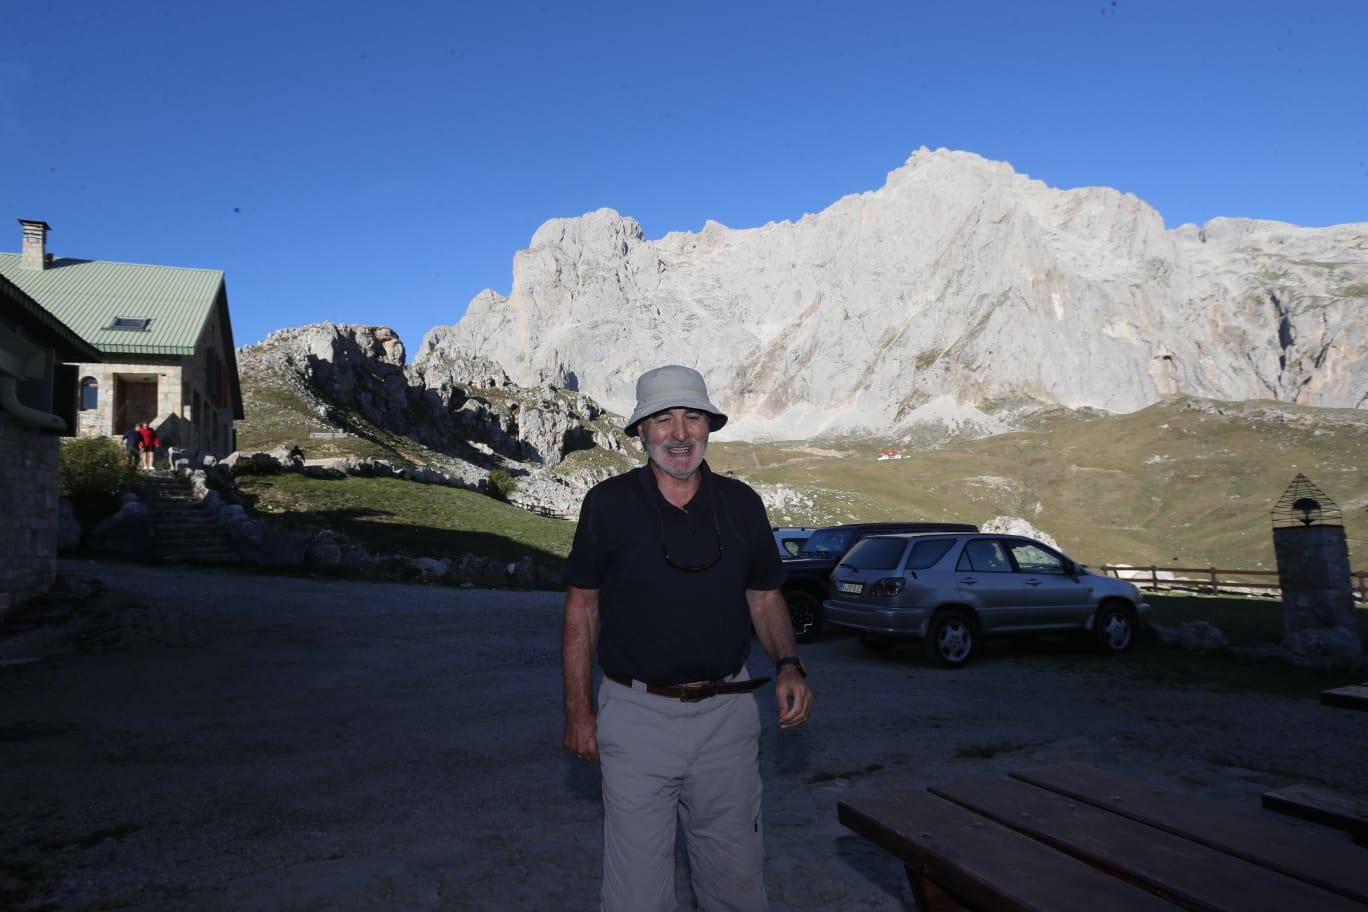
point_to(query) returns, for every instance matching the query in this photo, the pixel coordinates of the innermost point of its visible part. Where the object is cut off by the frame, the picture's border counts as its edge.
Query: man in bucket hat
(670, 569)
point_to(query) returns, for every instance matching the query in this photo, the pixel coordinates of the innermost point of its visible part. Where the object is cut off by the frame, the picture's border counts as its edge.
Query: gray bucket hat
(672, 386)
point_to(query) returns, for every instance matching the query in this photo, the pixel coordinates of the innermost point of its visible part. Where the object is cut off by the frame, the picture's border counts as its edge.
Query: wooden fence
(1214, 579)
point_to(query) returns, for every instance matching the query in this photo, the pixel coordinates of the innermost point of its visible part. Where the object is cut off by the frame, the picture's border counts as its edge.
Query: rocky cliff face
(957, 292)
(451, 402)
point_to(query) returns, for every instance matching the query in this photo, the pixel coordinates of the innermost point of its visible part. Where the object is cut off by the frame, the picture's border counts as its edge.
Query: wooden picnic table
(1070, 837)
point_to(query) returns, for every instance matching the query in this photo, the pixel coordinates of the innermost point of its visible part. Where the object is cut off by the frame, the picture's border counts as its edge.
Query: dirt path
(240, 742)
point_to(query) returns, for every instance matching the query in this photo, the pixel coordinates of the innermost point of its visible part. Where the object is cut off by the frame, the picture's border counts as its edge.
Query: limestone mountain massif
(960, 293)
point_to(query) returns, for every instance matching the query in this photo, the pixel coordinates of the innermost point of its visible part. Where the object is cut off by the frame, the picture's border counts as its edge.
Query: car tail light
(891, 585)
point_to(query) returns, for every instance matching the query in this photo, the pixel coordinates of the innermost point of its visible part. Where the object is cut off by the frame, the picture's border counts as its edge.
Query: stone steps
(183, 533)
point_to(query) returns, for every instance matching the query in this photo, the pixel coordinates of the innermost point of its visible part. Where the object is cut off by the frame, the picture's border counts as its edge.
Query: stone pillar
(1317, 591)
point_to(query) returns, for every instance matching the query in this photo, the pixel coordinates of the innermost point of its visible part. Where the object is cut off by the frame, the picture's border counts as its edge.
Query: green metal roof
(87, 296)
(19, 307)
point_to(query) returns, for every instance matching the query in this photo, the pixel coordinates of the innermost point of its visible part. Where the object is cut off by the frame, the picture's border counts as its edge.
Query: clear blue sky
(381, 163)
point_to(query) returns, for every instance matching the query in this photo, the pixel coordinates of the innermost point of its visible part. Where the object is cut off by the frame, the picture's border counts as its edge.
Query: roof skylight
(133, 323)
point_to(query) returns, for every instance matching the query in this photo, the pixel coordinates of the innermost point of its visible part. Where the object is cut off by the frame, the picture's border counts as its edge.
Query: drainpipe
(19, 357)
(9, 401)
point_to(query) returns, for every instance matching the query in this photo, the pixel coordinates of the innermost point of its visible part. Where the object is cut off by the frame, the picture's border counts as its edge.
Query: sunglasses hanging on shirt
(665, 547)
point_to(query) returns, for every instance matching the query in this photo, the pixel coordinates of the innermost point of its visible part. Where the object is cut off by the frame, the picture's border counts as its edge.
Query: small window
(926, 554)
(137, 324)
(876, 554)
(986, 556)
(90, 394)
(1033, 559)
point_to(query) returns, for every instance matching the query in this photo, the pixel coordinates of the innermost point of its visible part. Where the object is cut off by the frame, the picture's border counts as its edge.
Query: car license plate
(852, 588)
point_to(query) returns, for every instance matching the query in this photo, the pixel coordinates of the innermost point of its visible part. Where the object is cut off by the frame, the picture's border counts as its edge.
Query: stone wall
(212, 425)
(28, 491)
(164, 371)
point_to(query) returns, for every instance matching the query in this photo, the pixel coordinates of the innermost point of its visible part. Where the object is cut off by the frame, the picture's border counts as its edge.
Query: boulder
(127, 532)
(323, 556)
(231, 513)
(357, 562)
(481, 571)
(246, 534)
(1200, 636)
(396, 567)
(199, 485)
(522, 574)
(430, 569)
(279, 548)
(180, 459)
(263, 463)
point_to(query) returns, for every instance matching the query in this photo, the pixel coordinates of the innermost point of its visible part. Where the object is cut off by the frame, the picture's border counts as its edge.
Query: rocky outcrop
(1015, 525)
(954, 294)
(452, 402)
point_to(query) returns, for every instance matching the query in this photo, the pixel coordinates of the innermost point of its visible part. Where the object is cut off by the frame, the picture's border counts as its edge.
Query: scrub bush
(92, 471)
(501, 483)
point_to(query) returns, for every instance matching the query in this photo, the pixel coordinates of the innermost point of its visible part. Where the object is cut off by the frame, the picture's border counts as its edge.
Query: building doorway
(135, 400)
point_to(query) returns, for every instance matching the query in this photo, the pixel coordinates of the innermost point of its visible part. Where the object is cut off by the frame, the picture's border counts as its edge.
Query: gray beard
(656, 453)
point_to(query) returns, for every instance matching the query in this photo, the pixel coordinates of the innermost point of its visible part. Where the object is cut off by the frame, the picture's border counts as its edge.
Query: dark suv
(809, 574)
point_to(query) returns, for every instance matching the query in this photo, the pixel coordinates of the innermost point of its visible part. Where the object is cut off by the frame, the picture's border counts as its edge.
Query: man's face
(676, 440)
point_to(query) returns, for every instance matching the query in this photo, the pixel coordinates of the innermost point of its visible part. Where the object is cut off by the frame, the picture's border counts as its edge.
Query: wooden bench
(957, 860)
(1070, 837)
(1322, 806)
(1355, 696)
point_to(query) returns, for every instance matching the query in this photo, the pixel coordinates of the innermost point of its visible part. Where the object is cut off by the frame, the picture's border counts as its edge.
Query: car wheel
(805, 613)
(950, 641)
(875, 642)
(1114, 630)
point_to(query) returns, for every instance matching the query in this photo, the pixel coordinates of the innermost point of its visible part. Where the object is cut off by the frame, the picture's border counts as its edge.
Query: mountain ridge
(958, 294)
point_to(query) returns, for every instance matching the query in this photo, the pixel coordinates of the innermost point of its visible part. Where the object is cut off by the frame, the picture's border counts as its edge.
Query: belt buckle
(692, 693)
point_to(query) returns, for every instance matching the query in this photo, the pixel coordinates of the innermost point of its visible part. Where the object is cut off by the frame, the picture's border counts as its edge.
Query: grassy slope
(278, 415)
(1168, 485)
(1092, 482)
(396, 516)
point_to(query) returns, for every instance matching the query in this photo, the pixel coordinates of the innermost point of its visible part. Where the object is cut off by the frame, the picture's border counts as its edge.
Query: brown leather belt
(692, 693)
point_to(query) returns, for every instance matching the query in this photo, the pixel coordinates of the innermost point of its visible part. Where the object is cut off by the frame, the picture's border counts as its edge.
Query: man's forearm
(770, 617)
(578, 638)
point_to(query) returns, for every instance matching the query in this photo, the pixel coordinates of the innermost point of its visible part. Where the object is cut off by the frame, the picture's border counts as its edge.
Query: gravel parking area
(198, 739)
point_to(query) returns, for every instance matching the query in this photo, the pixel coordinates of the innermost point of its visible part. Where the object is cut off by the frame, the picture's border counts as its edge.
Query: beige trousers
(664, 761)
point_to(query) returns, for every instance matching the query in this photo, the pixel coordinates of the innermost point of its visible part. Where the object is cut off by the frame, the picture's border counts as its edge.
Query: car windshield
(826, 543)
(876, 554)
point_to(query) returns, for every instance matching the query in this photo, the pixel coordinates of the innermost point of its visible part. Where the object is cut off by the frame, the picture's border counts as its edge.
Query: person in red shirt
(147, 445)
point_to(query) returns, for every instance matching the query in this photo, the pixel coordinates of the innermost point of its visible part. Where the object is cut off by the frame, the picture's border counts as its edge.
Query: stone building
(164, 334)
(35, 391)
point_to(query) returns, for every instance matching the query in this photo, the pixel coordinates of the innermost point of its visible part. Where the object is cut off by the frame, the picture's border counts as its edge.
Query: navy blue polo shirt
(659, 623)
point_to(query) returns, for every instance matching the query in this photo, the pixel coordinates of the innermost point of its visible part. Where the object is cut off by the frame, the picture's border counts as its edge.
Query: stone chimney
(34, 252)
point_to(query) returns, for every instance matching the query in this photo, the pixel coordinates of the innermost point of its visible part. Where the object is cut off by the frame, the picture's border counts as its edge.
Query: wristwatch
(790, 660)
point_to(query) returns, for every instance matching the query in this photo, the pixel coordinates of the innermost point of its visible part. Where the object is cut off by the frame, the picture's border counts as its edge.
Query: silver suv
(951, 589)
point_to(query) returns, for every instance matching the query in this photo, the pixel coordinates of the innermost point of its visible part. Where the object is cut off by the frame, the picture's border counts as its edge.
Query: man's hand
(795, 700)
(581, 736)
(770, 617)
